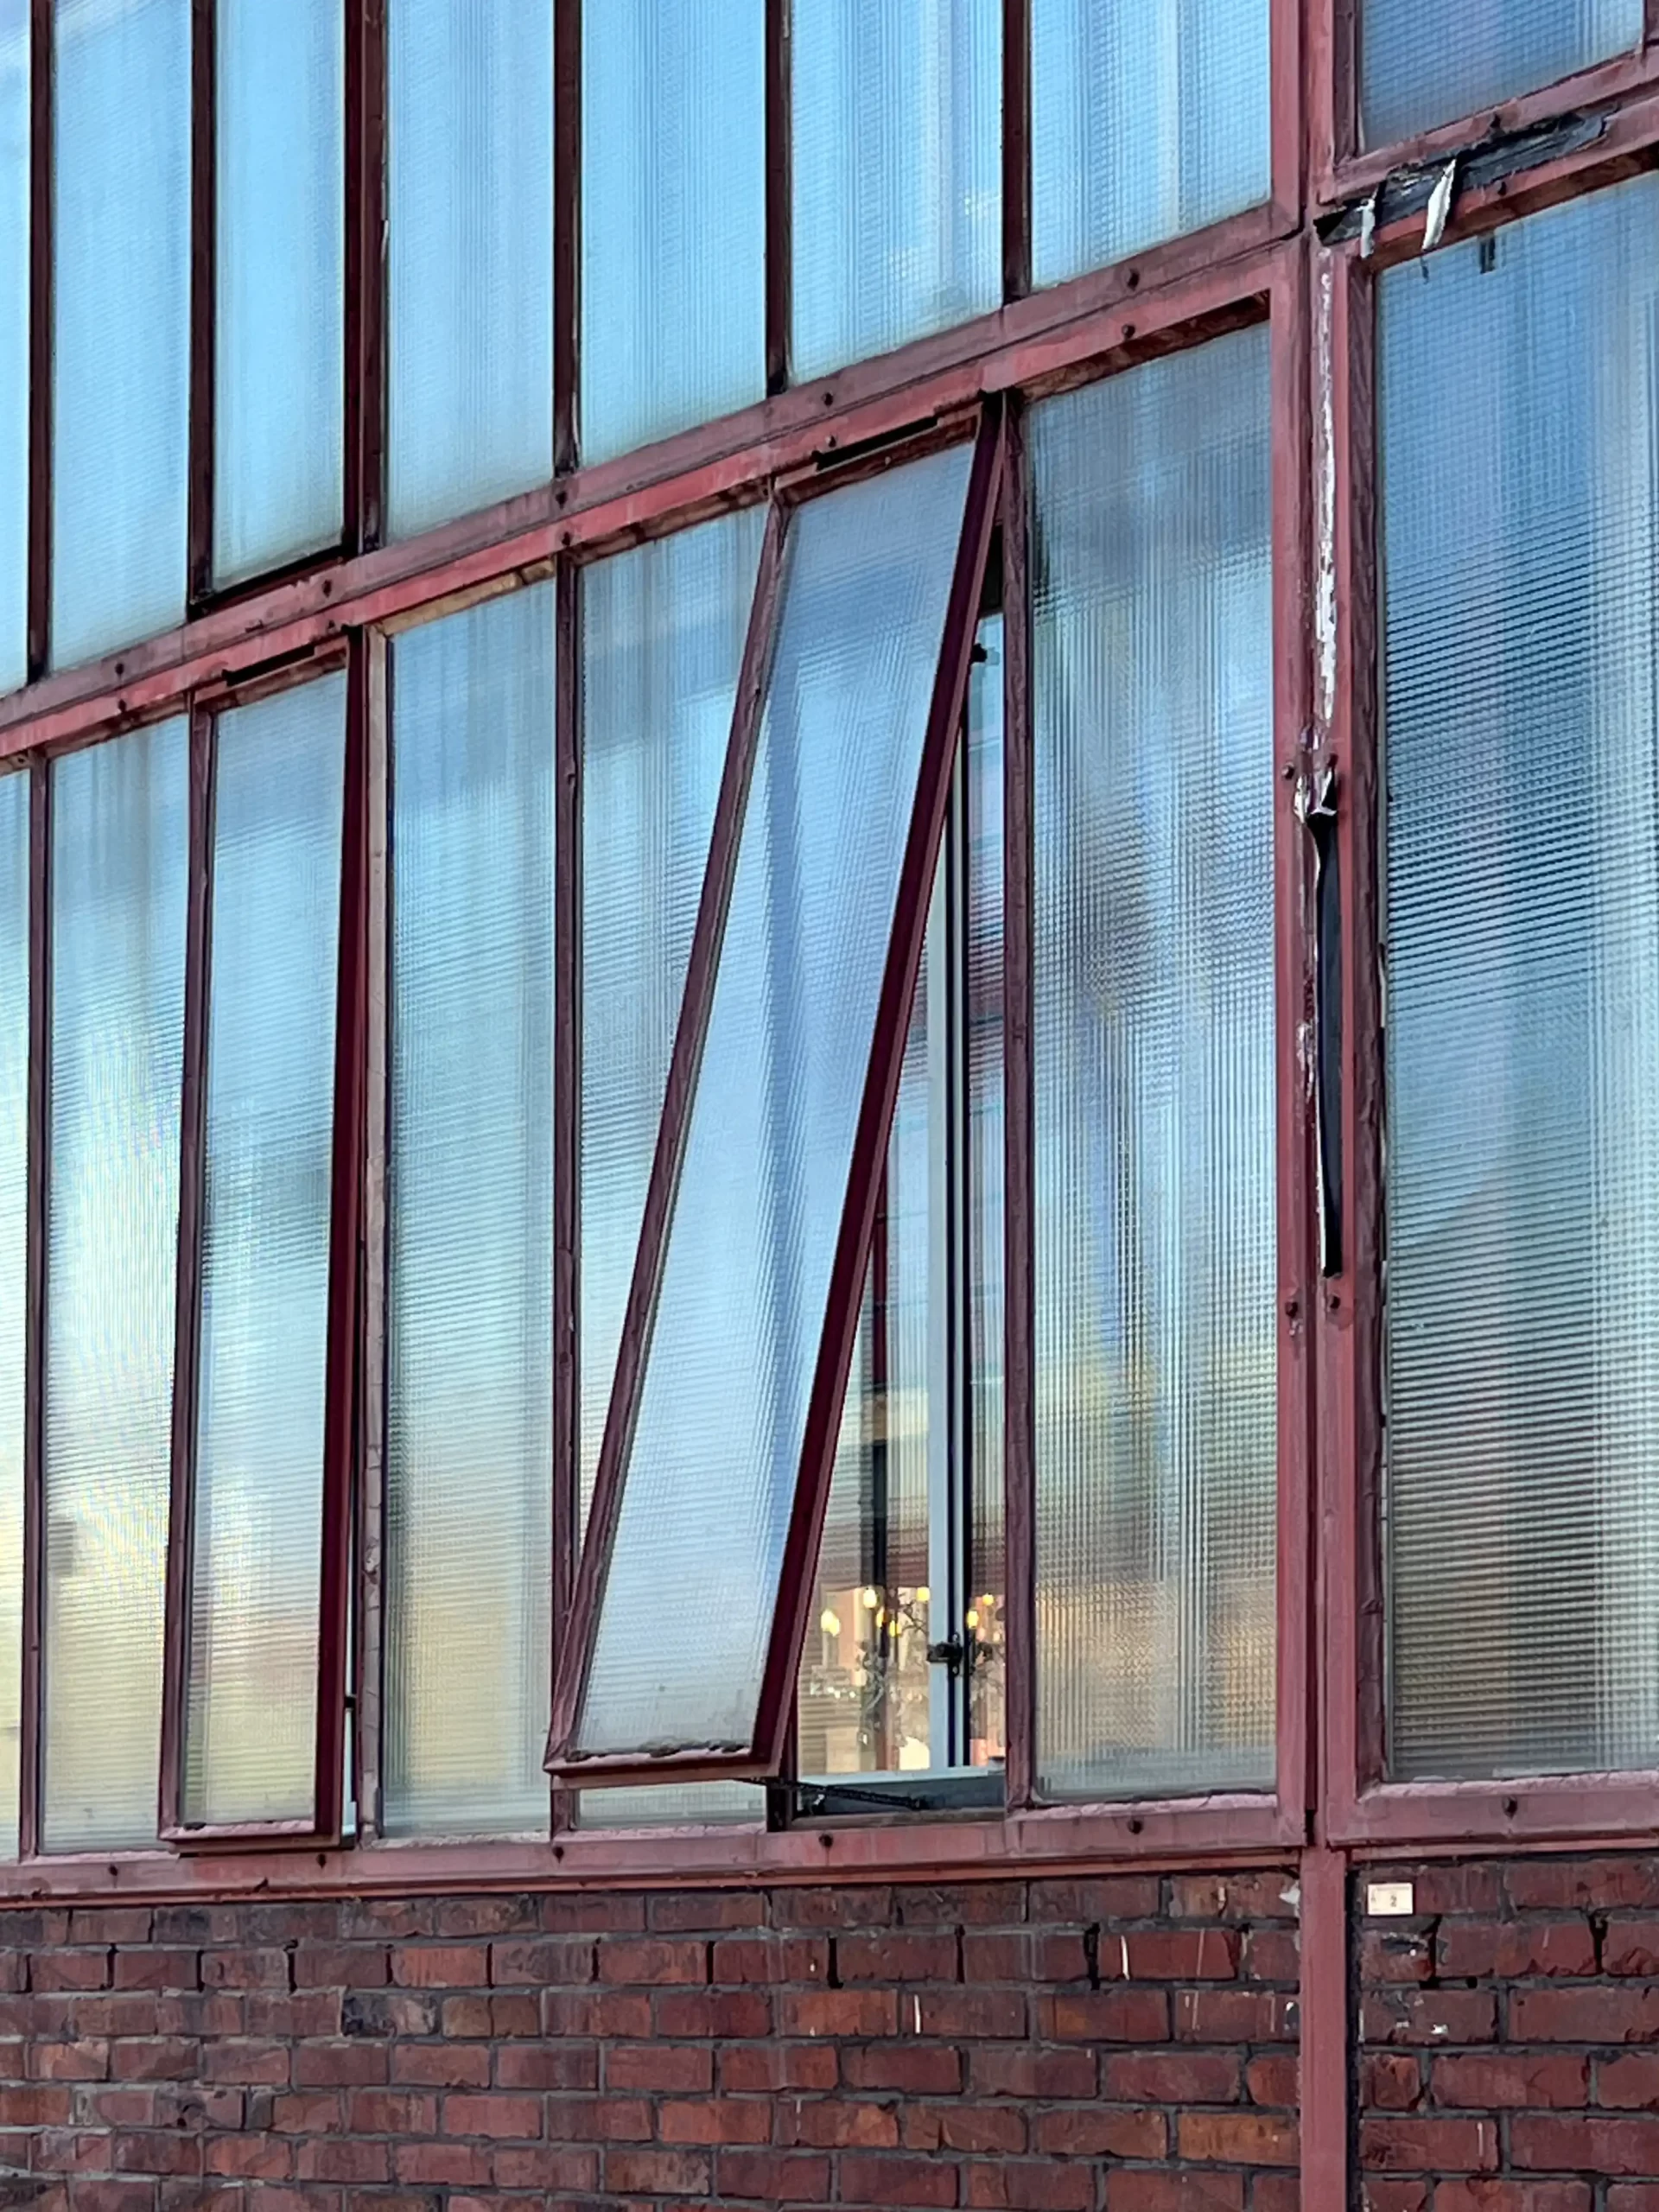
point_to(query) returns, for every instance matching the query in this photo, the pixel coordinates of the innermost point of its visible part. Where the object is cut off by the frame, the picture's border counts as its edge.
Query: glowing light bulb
(871, 1600)
(830, 1621)
(973, 1615)
(924, 1596)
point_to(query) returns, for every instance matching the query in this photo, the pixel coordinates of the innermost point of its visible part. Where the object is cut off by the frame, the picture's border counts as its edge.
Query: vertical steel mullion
(1016, 149)
(566, 233)
(187, 1338)
(365, 184)
(567, 1122)
(32, 1732)
(40, 223)
(204, 257)
(780, 212)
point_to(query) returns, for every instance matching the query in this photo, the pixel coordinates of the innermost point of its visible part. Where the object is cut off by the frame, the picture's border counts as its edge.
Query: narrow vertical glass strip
(1420, 65)
(1520, 675)
(1150, 118)
(898, 154)
(663, 630)
(1152, 1052)
(673, 214)
(257, 1544)
(13, 1252)
(120, 845)
(470, 257)
(280, 273)
(711, 1474)
(14, 342)
(121, 322)
(469, 1462)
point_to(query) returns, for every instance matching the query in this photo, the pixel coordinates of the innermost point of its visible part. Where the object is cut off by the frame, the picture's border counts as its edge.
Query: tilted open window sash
(683, 1641)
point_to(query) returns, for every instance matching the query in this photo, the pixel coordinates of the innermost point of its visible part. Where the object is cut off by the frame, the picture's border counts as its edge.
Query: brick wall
(1509, 2039)
(1115, 2046)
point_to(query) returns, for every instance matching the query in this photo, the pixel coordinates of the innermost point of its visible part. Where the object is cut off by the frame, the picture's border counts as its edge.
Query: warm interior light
(871, 1600)
(924, 1596)
(830, 1621)
(973, 1615)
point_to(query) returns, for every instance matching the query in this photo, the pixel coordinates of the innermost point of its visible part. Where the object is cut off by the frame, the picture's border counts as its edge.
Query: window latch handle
(1316, 810)
(951, 1654)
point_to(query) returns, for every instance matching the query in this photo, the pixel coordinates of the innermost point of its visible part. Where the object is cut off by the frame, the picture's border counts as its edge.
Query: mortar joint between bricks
(832, 1966)
(1092, 1953)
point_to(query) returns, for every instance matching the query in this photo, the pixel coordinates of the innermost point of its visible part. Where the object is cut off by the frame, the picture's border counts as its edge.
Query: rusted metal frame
(1325, 2031)
(1289, 96)
(581, 1620)
(368, 1672)
(1019, 1205)
(781, 195)
(1016, 149)
(204, 254)
(1296, 1197)
(1342, 170)
(186, 1328)
(567, 1124)
(1330, 86)
(41, 227)
(567, 234)
(31, 1733)
(365, 400)
(1136, 307)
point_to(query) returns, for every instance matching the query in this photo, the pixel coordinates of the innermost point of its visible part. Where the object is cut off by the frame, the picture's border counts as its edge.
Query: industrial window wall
(830, 933)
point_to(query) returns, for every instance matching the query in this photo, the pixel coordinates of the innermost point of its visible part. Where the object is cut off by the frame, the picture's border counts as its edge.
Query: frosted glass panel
(469, 1461)
(663, 631)
(470, 255)
(1152, 1045)
(673, 213)
(250, 1720)
(279, 370)
(717, 1444)
(1420, 65)
(1520, 531)
(13, 1216)
(121, 334)
(897, 148)
(14, 339)
(120, 869)
(1149, 119)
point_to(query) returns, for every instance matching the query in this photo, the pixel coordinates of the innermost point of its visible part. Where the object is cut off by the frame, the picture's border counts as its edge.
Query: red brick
(830, 2124)
(71, 2062)
(1272, 2080)
(1238, 2139)
(961, 1905)
(1170, 2077)
(1129, 2188)
(1395, 2195)
(1563, 2143)
(1020, 2070)
(651, 1960)
(603, 2120)
(447, 1966)
(1106, 2015)
(1630, 2081)
(768, 1958)
(999, 2128)
(1413, 2143)
(1008, 1955)
(861, 2012)
(1169, 1955)
(551, 1962)
(391, 2112)
(1603, 2013)
(602, 2015)
(772, 2177)
(896, 1958)
(1100, 2132)
(422, 2065)
(1271, 1955)
(1432, 2016)
(759, 2069)
(1509, 2079)
(245, 1968)
(736, 2015)
(656, 2173)
(715, 2120)
(317, 2113)
(346, 2158)
(546, 2167)
(1513, 1948)
(667, 2066)
(539, 2066)
(262, 2157)
(925, 2070)
(965, 2015)
(584, 1913)
(868, 2177)
(1582, 1885)
(36, 2107)
(1212, 2014)
(673, 1912)
(514, 2119)
(325, 2065)
(442, 2164)
(1630, 1946)
(504, 1916)
(148, 1969)
(1031, 2188)
(55, 1970)
(1486, 2193)
(1395, 1955)
(1633, 2196)
(1109, 1897)
(838, 1907)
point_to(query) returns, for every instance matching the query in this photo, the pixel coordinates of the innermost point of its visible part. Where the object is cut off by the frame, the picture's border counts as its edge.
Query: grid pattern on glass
(14, 1231)
(663, 630)
(257, 1542)
(121, 322)
(673, 217)
(912, 1544)
(1152, 1052)
(716, 1444)
(1150, 118)
(469, 257)
(469, 1464)
(14, 342)
(1420, 65)
(1521, 525)
(119, 870)
(280, 280)
(896, 142)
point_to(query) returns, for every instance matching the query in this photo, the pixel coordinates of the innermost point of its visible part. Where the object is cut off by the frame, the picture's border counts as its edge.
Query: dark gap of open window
(1016, 149)
(780, 194)
(40, 339)
(204, 252)
(40, 1031)
(567, 229)
(365, 365)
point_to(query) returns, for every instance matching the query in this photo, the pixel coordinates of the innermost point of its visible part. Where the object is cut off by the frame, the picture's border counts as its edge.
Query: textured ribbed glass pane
(470, 255)
(278, 439)
(1153, 1068)
(14, 339)
(469, 1459)
(1521, 536)
(663, 631)
(1149, 119)
(673, 215)
(121, 322)
(897, 148)
(119, 868)
(717, 1444)
(14, 1209)
(1420, 65)
(251, 1723)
